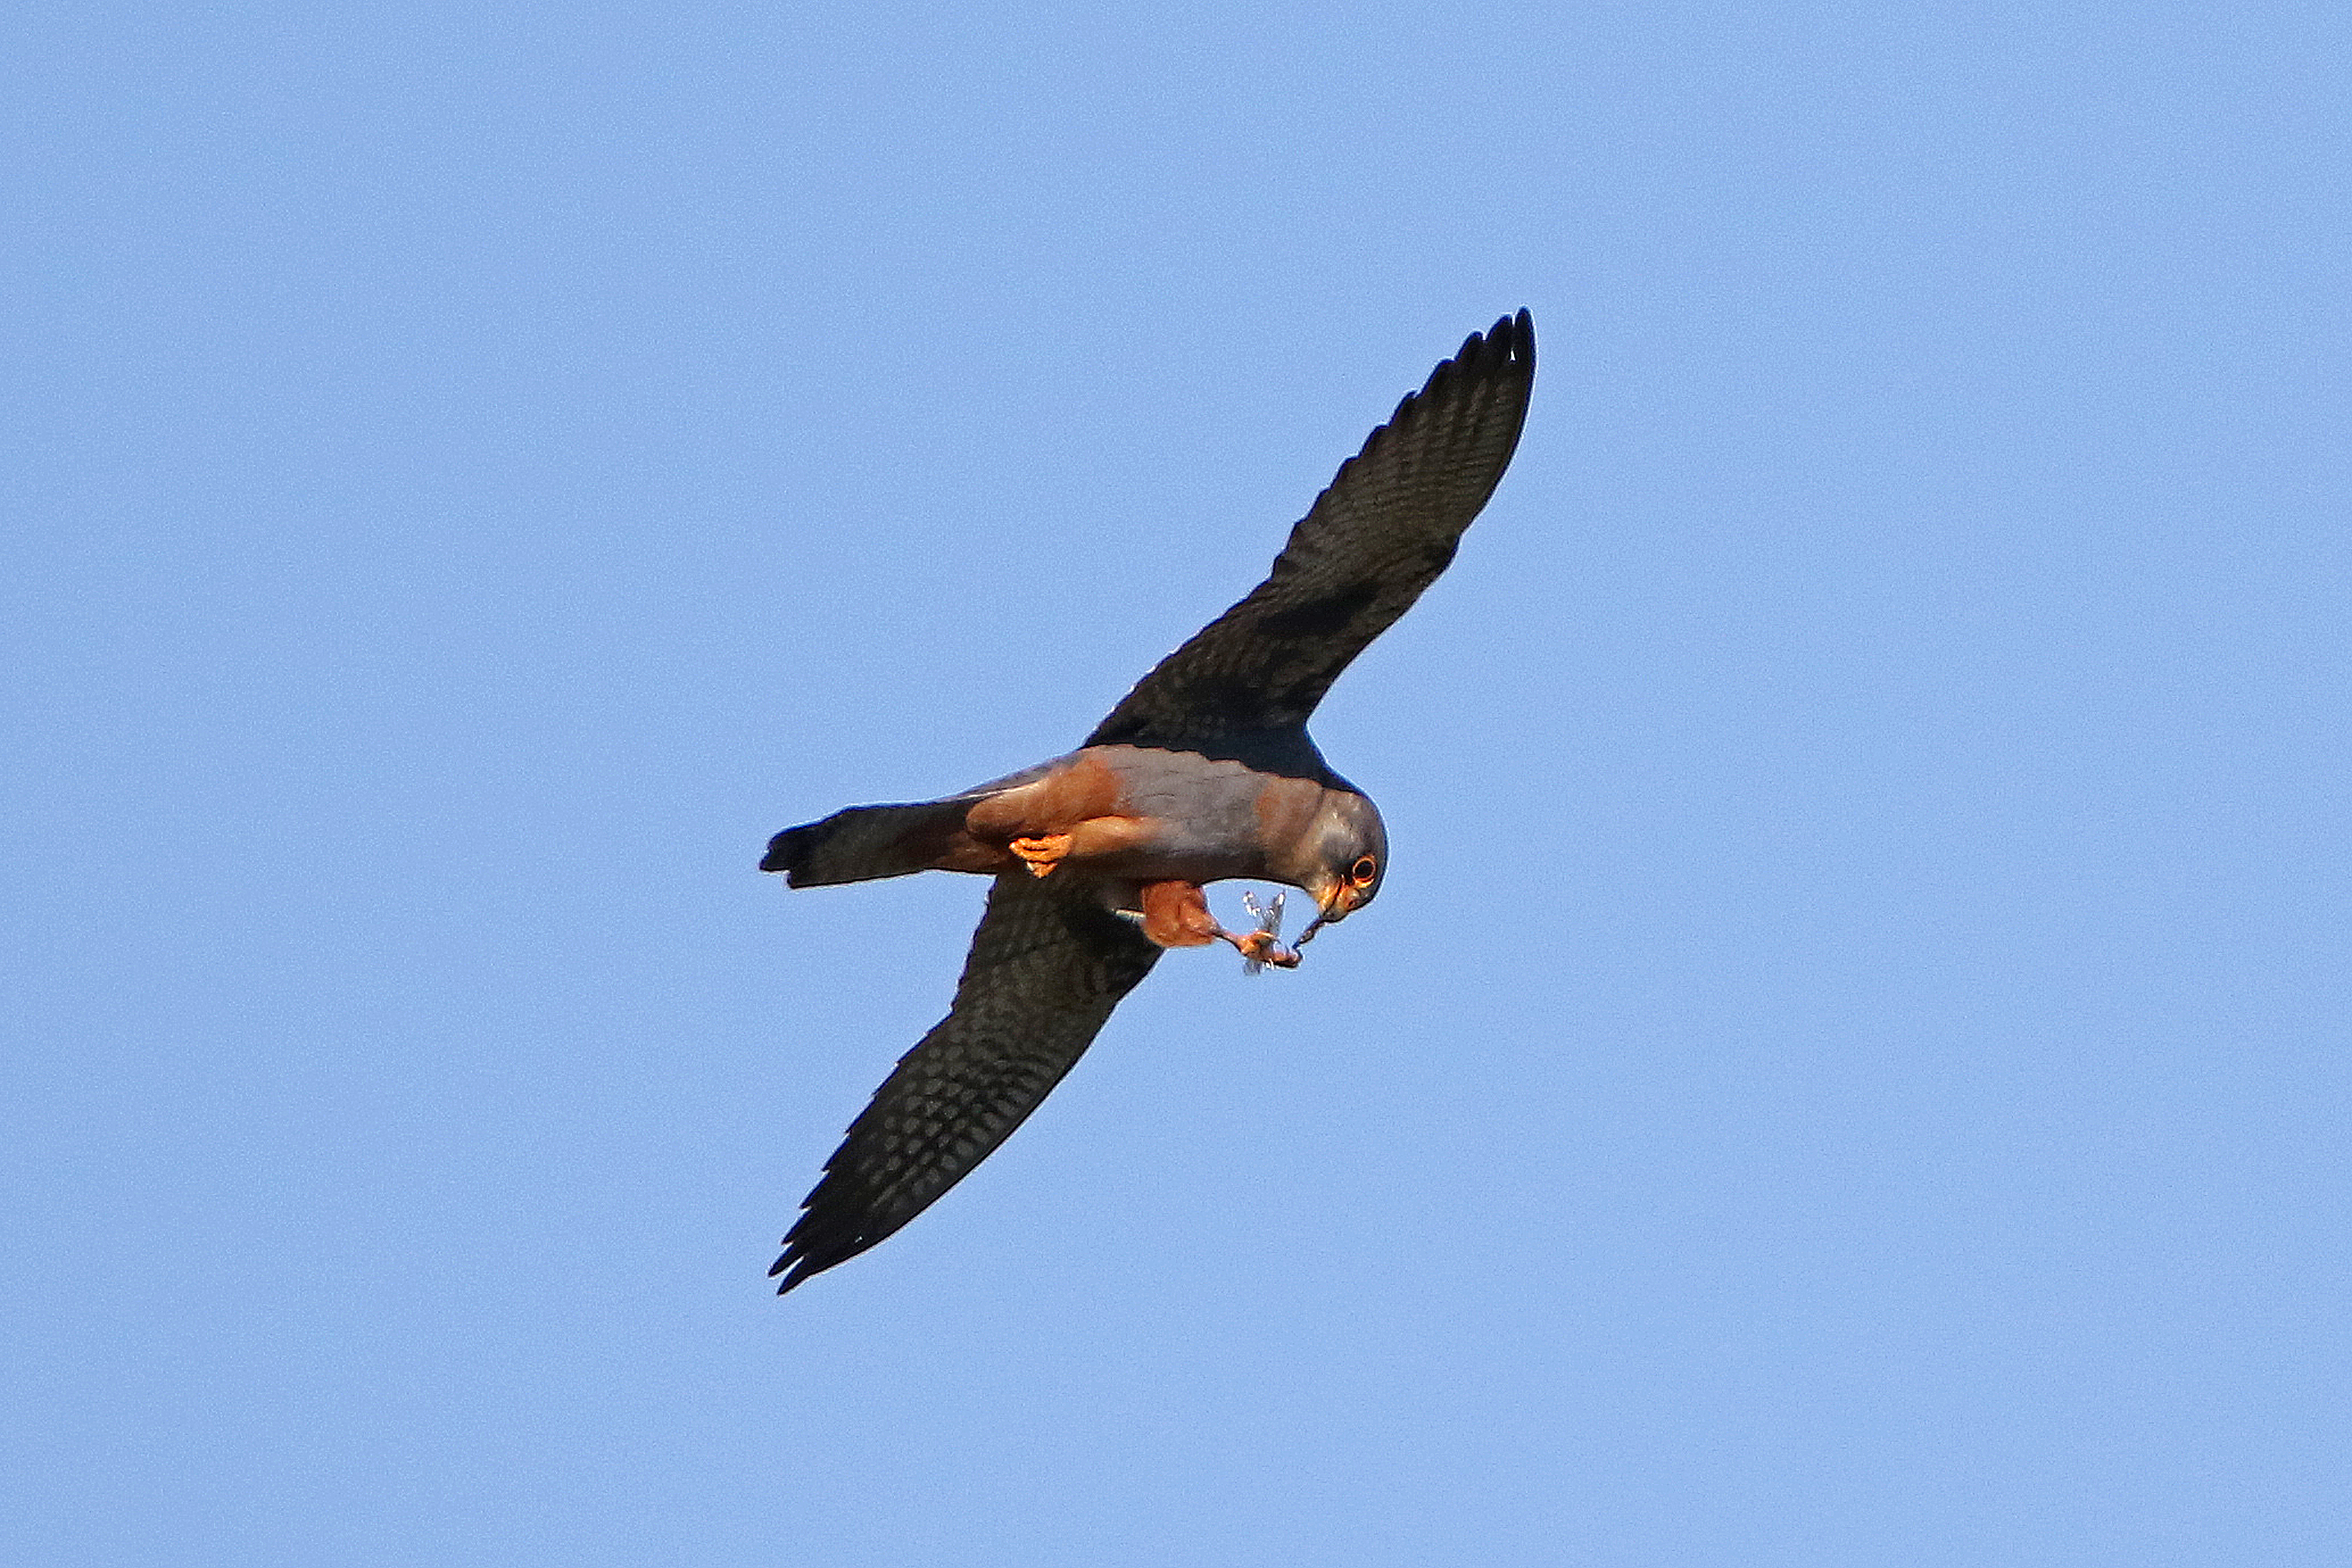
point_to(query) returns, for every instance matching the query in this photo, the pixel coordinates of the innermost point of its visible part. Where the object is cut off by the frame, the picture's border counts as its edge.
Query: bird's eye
(1363, 873)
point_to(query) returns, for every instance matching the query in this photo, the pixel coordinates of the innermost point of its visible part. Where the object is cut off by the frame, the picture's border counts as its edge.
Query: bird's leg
(1176, 914)
(1042, 854)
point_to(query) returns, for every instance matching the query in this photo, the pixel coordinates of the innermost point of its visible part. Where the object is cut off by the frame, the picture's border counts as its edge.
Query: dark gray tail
(866, 841)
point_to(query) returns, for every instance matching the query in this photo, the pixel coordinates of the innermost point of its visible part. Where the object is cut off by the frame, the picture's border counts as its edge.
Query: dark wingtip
(812, 1246)
(799, 1266)
(1514, 334)
(1511, 341)
(796, 1262)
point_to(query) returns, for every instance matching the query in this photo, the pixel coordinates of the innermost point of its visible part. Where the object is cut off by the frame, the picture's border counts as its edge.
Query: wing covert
(1047, 966)
(1376, 537)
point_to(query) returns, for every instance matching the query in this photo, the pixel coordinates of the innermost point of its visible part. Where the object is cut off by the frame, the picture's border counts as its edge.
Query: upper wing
(1381, 534)
(1047, 966)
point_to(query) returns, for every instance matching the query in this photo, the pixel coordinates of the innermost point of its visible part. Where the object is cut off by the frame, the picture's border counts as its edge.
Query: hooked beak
(1330, 910)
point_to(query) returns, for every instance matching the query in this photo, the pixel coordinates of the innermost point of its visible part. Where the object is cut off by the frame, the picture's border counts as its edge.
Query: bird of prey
(1203, 772)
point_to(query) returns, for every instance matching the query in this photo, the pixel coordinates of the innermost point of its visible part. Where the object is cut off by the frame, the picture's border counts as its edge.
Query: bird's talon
(1042, 854)
(1261, 948)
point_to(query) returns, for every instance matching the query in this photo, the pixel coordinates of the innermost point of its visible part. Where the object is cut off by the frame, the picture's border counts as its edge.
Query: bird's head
(1343, 856)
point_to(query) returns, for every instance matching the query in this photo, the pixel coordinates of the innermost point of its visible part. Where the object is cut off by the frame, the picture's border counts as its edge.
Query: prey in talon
(1263, 946)
(1204, 772)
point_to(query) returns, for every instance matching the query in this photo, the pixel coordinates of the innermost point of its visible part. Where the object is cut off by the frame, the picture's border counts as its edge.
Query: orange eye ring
(1364, 871)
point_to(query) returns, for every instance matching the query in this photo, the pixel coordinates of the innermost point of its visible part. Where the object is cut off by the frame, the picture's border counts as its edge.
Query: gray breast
(1210, 807)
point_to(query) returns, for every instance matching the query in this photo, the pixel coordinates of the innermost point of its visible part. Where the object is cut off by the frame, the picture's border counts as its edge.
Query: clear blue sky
(1850, 1067)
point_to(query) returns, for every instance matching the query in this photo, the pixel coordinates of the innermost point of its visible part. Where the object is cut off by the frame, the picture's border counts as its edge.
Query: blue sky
(1848, 1067)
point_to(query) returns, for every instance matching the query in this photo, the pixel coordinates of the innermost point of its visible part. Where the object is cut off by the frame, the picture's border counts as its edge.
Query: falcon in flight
(1203, 772)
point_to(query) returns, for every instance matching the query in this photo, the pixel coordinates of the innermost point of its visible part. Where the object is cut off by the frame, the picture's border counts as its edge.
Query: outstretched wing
(1047, 966)
(1383, 531)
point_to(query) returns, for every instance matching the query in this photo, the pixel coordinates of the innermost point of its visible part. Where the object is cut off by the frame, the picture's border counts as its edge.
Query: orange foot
(1264, 947)
(1042, 854)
